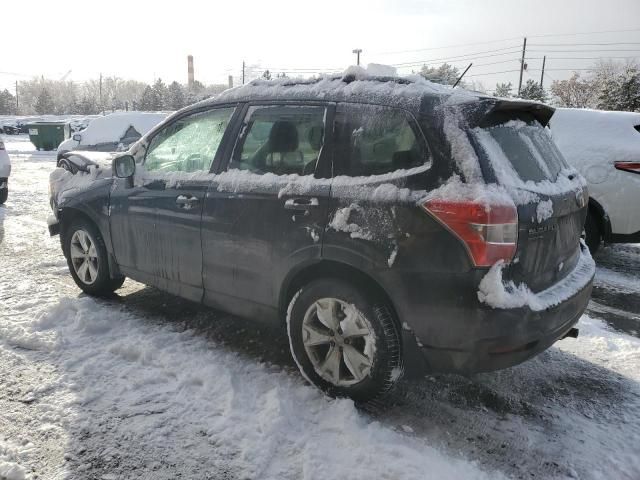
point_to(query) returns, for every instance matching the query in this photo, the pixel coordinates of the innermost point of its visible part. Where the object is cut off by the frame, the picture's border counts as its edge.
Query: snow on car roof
(587, 136)
(111, 128)
(354, 84)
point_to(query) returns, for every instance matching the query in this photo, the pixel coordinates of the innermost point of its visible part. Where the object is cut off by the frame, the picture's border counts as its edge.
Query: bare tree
(576, 92)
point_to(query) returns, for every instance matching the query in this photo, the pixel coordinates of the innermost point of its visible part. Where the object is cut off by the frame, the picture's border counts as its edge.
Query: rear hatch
(517, 152)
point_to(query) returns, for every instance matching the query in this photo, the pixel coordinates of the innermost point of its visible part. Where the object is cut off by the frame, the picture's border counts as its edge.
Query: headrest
(315, 136)
(283, 137)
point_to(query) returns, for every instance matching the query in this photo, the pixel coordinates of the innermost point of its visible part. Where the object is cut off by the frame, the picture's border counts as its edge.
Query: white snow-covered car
(605, 148)
(111, 133)
(5, 170)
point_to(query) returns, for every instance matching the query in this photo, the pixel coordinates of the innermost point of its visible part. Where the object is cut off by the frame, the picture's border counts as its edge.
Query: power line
(460, 45)
(493, 73)
(473, 56)
(588, 50)
(580, 58)
(582, 44)
(446, 46)
(583, 33)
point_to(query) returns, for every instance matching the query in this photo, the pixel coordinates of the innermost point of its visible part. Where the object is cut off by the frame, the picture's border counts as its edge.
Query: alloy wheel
(339, 341)
(84, 256)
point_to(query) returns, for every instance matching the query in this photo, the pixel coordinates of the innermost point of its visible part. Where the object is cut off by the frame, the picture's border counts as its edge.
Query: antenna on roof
(460, 78)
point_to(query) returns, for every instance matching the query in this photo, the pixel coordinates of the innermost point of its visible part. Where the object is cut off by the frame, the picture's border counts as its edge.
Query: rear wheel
(592, 233)
(87, 259)
(344, 341)
(4, 194)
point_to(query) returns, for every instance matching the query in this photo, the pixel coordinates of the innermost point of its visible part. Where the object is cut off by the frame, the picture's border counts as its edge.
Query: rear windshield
(520, 150)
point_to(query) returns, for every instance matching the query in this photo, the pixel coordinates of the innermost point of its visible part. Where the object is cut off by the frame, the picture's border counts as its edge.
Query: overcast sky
(145, 40)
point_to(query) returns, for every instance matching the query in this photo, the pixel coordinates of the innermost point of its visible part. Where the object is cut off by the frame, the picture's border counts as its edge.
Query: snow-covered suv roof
(354, 85)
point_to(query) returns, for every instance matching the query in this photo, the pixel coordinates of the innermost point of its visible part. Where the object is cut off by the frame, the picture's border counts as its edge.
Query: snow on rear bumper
(496, 293)
(581, 276)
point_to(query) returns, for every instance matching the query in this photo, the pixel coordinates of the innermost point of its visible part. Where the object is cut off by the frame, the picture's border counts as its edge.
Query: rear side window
(520, 150)
(280, 139)
(374, 140)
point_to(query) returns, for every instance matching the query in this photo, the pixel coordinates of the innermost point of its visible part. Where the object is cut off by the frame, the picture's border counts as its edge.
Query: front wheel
(87, 259)
(344, 342)
(4, 194)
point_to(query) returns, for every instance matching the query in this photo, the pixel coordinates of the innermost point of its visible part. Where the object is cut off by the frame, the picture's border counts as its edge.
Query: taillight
(489, 232)
(633, 167)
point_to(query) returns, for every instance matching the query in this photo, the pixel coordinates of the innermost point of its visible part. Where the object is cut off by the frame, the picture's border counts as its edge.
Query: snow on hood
(589, 137)
(112, 128)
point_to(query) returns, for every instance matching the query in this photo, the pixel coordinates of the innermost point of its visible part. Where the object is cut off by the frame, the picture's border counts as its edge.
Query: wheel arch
(67, 215)
(599, 213)
(331, 268)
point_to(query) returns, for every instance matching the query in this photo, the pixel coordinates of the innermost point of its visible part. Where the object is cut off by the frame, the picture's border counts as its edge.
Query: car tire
(592, 233)
(4, 194)
(360, 359)
(87, 259)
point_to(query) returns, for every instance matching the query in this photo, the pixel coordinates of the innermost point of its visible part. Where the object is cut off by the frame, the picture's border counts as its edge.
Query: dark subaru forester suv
(391, 224)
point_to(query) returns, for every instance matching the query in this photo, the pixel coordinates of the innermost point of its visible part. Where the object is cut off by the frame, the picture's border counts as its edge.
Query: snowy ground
(150, 386)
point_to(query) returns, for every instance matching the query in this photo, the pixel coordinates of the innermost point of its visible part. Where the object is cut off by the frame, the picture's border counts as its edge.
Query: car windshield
(520, 150)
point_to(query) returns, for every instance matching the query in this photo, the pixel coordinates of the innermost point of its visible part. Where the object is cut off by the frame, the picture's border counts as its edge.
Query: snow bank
(223, 412)
(498, 294)
(595, 137)
(10, 467)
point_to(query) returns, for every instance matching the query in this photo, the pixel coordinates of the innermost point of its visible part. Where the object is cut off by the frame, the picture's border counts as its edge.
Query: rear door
(518, 153)
(266, 211)
(156, 224)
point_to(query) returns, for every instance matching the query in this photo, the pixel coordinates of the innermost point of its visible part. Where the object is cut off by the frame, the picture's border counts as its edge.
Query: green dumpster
(48, 135)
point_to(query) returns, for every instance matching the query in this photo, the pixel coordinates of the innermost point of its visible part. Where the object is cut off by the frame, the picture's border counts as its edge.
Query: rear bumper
(525, 333)
(457, 333)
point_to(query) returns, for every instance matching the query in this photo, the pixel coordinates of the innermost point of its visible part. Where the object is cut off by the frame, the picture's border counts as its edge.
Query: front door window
(189, 144)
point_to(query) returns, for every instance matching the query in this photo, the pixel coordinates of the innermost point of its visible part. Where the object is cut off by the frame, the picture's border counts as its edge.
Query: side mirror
(124, 166)
(77, 137)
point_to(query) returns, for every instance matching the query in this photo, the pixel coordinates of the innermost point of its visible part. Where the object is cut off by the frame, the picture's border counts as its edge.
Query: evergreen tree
(160, 90)
(629, 90)
(533, 91)
(503, 90)
(175, 96)
(266, 75)
(44, 103)
(7, 103)
(445, 74)
(149, 99)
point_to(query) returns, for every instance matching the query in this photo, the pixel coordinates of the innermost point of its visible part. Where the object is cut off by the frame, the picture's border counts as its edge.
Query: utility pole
(243, 72)
(524, 49)
(357, 51)
(544, 60)
(101, 104)
(17, 104)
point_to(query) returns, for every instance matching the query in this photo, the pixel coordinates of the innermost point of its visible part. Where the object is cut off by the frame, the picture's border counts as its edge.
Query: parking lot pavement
(145, 385)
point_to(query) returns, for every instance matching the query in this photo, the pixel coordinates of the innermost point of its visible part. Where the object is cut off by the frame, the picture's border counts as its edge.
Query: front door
(155, 225)
(266, 212)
